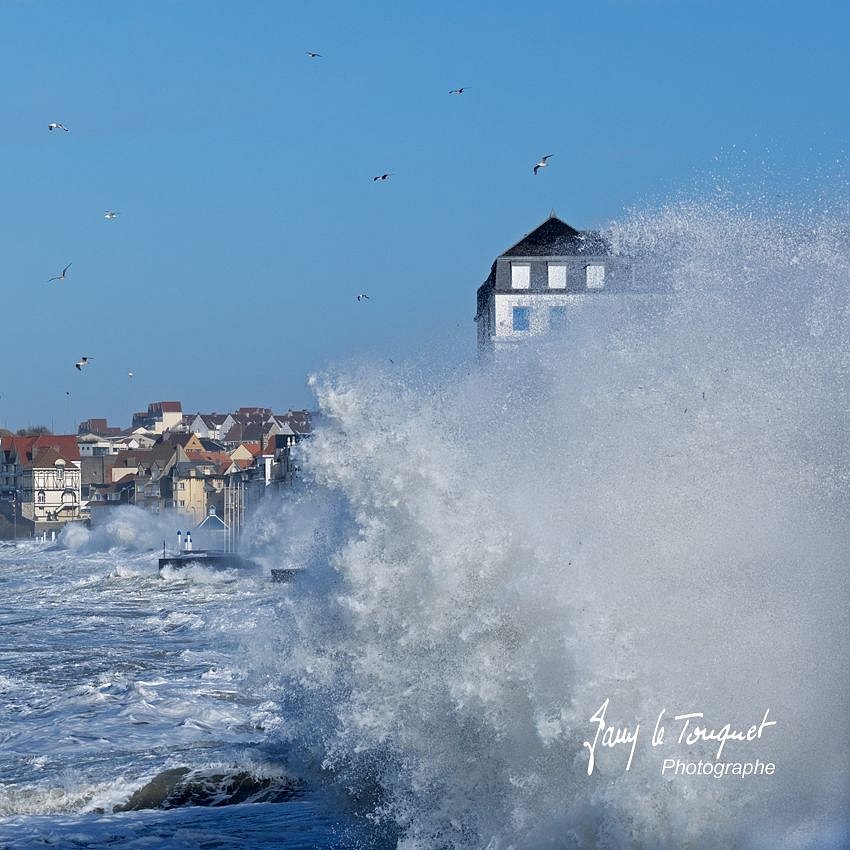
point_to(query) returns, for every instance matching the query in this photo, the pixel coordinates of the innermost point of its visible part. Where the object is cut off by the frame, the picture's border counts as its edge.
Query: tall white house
(537, 284)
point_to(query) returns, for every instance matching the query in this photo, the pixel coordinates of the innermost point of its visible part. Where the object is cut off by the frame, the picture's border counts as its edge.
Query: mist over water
(652, 510)
(126, 527)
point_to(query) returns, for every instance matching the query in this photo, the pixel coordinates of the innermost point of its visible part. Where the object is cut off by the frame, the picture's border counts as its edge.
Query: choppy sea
(117, 680)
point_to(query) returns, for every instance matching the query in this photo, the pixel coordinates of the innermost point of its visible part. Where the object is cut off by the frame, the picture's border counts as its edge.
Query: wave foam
(652, 511)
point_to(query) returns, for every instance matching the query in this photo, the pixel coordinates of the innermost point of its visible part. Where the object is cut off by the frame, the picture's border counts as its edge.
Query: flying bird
(362, 297)
(83, 361)
(110, 215)
(57, 126)
(313, 55)
(461, 90)
(383, 176)
(129, 374)
(543, 163)
(60, 276)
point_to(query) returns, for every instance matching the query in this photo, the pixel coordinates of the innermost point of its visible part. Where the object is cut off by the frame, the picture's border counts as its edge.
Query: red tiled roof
(45, 459)
(207, 457)
(65, 444)
(25, 449)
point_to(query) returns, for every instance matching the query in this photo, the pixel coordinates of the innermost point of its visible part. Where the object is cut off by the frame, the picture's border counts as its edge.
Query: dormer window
(520, 275)
(595, 275)
(557, 275)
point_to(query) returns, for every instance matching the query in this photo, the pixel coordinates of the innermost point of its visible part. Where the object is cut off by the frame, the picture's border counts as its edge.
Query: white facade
(51, 493)
(90, 445)
(545, 281)
(209, 427)
(550, 295)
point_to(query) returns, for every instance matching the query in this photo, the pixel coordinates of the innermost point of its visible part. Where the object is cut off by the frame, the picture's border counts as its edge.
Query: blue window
(522, 318)
(557, 318)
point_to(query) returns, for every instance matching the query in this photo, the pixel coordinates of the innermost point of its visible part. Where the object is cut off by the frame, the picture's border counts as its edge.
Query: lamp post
(13, 501)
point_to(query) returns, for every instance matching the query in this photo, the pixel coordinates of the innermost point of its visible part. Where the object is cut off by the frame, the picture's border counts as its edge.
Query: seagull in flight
(543, 162)
(461, 90)
(83, 361)
(362, 297)
(60, 276)
(383, 176)
(55, 125)
(313, 55)
(110, 215)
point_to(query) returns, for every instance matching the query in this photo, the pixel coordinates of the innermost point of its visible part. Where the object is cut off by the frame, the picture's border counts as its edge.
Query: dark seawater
(121, 688)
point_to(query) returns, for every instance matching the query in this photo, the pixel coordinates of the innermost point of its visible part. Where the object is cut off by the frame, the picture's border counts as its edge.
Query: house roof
(253, 431)
(65, 444)
(253, 448)
(556, 238)
(98, 426)
(211, 522)
(22, 450)
(133, 459)
(172, 439)
(210, 419)
(47, 459)
(209, 457)
(301, 421)
(200, 460)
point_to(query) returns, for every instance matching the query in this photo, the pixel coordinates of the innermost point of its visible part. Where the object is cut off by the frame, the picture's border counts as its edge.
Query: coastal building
(536, 286)
(160, 416)
(93, 445)
(211, 532)
(166, 461)
(50, 490)
(110, 495)
(99, 427)
(39, 481)
(94, 470)
(207, 425)
(197, 484)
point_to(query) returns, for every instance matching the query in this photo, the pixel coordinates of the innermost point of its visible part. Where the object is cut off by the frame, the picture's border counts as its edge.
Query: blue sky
(242, 170)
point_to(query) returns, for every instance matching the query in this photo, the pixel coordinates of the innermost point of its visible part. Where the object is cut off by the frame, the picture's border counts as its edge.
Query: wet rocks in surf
(181, 786)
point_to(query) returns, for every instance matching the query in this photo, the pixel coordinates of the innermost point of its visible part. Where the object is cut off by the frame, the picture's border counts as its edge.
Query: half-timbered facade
(50, 490)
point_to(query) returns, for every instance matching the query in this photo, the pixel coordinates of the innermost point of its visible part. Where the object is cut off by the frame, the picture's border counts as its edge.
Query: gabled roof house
(537, 285)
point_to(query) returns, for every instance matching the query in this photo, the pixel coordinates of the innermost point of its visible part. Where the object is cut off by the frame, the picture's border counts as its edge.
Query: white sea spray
(653, 510)
(126, 527)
